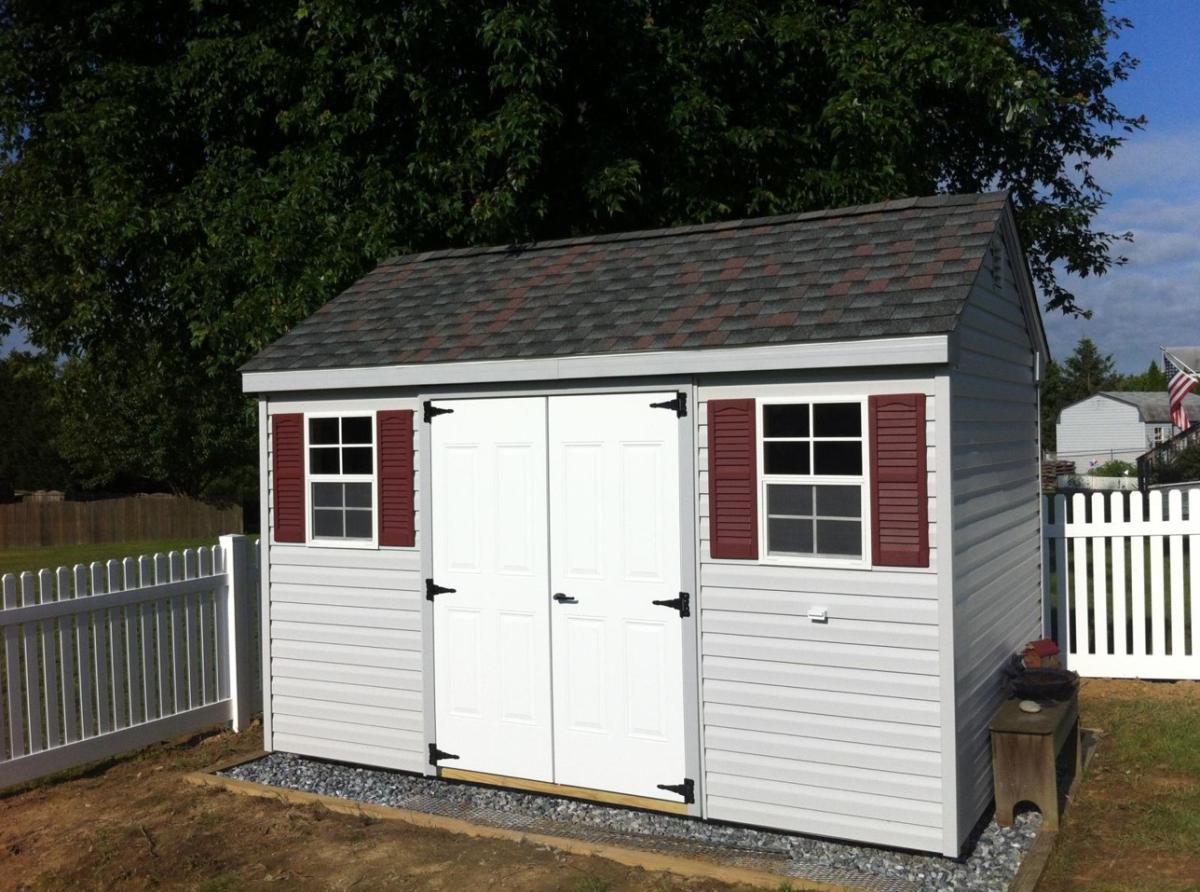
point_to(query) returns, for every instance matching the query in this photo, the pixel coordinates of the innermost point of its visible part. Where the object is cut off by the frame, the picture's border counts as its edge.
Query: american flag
(1179, 385)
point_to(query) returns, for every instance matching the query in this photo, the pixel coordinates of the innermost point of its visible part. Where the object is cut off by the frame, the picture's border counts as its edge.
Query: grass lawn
(18, 560)
(1135, 820)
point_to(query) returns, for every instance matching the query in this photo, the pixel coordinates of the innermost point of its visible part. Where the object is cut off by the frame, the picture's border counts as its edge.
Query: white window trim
(312, 541)
(764, 479)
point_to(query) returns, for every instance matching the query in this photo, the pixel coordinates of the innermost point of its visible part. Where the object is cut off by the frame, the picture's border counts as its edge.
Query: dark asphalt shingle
(887, 270)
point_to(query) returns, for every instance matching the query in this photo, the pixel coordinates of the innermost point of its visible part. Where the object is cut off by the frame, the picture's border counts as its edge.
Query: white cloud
(1155, 297)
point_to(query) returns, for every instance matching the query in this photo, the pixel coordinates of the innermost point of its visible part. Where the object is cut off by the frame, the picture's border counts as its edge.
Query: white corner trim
(916, 350)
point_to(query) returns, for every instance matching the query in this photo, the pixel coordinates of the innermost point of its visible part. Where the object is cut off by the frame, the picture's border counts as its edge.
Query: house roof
(893, 269)
(1154, 406)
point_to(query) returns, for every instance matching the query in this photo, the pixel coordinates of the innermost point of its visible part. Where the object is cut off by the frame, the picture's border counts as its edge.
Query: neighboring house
(736, 520)
(1117, 425)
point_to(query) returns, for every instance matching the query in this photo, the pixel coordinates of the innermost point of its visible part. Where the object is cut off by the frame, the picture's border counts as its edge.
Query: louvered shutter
(899, 508)
(394, 440)
(732, 479)
(287, 451)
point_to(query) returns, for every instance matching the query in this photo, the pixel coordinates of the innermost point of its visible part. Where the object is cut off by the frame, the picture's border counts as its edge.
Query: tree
(1153, 380)
(189, 180)
(1087, 371)
(29, 458)
(1052, 403)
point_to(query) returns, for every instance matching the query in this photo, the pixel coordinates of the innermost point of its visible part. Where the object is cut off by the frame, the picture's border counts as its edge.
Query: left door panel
(492, 634)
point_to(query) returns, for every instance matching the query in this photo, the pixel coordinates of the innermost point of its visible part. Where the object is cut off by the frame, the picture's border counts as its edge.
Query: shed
(738, 521)
(1117, 425)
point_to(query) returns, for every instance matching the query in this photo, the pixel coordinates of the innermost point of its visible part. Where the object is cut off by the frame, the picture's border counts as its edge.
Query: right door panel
(615, 548)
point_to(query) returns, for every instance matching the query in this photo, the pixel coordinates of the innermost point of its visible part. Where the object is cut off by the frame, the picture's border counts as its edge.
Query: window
(341, 476)
(813, 483)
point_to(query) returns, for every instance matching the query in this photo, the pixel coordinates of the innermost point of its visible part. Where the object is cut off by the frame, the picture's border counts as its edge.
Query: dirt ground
(1134, 823)
(134, 824)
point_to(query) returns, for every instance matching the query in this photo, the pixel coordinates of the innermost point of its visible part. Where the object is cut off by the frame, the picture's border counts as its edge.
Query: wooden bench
(1025, 747)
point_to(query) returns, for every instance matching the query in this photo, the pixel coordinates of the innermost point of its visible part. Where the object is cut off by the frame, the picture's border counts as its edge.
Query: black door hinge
(677, 405)
(432, 589)
(683, 604)
(436, 755)
(432, 411)
(687, 789)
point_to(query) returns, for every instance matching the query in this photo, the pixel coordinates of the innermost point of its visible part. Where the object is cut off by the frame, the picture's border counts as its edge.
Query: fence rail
(101, 659)
(1122, 591)
(33, 523)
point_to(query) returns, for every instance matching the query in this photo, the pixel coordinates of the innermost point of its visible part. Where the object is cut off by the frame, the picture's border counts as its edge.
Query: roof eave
(900, 351)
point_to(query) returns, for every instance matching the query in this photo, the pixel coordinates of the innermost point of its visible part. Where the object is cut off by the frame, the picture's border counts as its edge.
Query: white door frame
(689, 572)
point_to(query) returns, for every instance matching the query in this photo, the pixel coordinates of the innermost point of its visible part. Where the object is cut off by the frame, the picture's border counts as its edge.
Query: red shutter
(732, 479)
(394, 440)
(287, 451)
(899, 506)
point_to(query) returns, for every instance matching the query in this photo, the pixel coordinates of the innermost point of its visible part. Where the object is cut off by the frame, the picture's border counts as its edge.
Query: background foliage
(181, 183)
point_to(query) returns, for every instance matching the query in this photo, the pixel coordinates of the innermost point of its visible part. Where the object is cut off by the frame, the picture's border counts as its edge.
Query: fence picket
(207, 694)
(1120, 643)
(1193, 501)
(163, 632)
(31, 639)
(66, 660)
(1082, 636)
(99, 622)
(83, 640)
(1178, 626)
(51, 678)
(179, 638)
(1157, 600)
(146, 655)
(1137, 574)
(133, 648)
(1100, 578)
(222, 620)
(12, 668)
(116, 639)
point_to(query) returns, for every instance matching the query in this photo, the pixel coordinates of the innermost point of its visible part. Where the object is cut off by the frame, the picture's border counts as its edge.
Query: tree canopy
(29, 457)
(181, 183)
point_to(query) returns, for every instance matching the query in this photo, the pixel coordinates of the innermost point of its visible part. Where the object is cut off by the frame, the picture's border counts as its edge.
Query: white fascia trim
(917, 350)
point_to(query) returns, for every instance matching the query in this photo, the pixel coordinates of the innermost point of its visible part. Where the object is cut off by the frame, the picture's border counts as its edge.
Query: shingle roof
(892, 269)
(1154, 406)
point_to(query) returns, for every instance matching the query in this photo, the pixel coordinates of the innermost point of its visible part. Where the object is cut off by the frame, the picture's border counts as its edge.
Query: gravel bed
(995, 852)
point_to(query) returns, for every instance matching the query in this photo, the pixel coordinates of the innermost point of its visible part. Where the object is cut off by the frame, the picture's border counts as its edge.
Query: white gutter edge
(915, 350)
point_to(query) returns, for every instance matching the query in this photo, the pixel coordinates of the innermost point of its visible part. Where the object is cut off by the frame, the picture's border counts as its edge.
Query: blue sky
(1155, 184)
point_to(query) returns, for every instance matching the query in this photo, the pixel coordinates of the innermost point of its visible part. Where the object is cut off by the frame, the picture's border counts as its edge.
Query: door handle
(565, 599)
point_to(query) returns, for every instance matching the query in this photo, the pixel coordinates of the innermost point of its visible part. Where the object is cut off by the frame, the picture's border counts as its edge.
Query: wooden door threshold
(533, 786)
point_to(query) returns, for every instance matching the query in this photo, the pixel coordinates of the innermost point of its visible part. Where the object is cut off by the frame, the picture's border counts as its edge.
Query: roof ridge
(896, 204)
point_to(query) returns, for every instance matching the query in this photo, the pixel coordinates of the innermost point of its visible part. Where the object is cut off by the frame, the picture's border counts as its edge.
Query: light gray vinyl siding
(1100, 429)
(996, 522)
(832, 729)
(345, 640)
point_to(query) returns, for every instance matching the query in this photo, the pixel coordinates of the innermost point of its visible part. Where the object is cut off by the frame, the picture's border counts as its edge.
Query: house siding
(1100, 429)
(344, 626)
(834, 728)
(996, 526)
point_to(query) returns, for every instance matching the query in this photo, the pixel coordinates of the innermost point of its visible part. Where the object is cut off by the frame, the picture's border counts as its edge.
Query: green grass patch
(18, 560)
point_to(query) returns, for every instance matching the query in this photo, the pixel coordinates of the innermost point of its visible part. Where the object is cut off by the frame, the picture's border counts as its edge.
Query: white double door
(556, 522)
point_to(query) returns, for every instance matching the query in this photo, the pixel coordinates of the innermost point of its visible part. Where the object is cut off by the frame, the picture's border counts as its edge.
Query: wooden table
(1025, 746)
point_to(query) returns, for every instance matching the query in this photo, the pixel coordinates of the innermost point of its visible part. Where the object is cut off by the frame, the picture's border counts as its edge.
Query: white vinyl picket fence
(1122, 583)
(102, 659)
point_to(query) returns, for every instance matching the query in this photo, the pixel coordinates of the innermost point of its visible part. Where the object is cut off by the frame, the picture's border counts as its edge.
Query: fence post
(239, 589)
